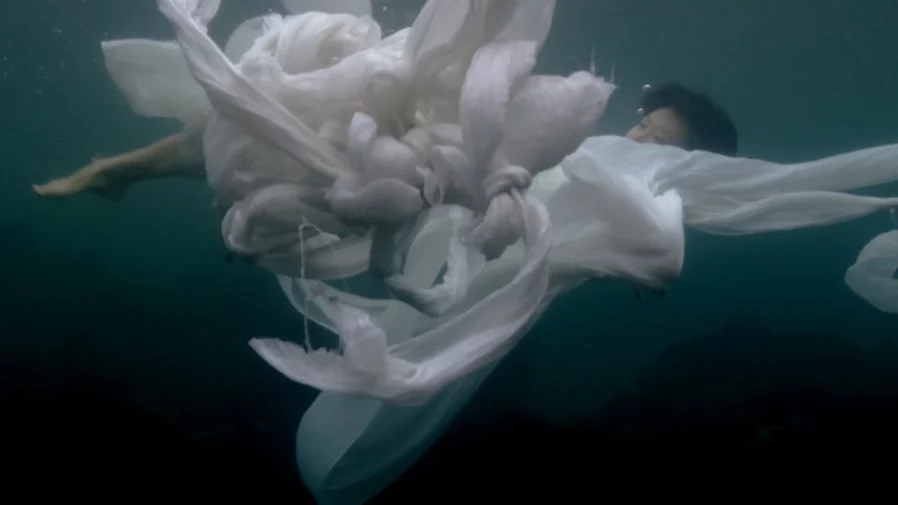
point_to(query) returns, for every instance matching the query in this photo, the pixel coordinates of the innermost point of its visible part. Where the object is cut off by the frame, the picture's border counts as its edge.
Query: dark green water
(123, 331)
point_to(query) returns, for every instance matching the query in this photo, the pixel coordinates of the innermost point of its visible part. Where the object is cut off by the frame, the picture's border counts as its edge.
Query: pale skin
(111, 177)
(663, 127)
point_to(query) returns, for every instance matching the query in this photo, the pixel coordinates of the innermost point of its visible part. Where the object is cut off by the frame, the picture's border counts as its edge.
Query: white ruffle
(323, 139)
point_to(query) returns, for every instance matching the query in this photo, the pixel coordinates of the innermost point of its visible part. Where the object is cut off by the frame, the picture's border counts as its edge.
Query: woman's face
(662, 126)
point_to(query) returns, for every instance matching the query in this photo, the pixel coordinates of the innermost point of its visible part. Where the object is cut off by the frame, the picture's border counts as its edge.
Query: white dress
(335, 153)
(296, 110)
(351, 448)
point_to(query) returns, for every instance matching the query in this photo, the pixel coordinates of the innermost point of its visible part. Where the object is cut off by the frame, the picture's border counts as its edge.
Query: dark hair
(710, 127)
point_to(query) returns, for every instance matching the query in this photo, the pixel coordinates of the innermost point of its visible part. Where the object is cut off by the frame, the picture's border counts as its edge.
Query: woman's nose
(637, 135)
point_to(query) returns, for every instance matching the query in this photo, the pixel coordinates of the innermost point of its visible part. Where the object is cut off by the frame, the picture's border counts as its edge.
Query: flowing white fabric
(155, 79)
(318, 153)
(874, 275)
(605, 224)
(350, 464)
(737, 196)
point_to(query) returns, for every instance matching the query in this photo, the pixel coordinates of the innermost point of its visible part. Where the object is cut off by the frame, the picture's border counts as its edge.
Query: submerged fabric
(326, 139)
(350, 448)
(874, 275)
(486, 140)
(365, 456)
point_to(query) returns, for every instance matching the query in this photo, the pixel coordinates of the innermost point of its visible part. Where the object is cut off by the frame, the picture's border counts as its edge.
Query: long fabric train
(715, 193)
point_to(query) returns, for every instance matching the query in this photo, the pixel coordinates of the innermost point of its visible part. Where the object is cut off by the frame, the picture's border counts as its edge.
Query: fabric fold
(386, 178)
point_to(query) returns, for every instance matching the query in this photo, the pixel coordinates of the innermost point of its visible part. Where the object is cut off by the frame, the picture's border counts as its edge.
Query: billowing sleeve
(736, 196)
(609, 223)
(743, 195)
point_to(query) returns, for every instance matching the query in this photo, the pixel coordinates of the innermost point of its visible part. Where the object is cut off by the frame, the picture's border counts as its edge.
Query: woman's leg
(110, 177)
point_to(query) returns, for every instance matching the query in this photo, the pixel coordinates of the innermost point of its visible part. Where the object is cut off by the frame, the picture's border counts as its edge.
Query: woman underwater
(616, 205)
(673, 115)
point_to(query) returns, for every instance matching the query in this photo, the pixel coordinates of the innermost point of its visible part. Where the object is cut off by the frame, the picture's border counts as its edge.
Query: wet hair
(710, 127)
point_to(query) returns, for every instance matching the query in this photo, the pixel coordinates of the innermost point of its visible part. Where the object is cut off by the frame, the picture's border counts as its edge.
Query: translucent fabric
(605, 224)
(731, 196)
(727, 195)
(263, 189)
(325, 139)
(375, 442)
(155, 79)
(874, 275)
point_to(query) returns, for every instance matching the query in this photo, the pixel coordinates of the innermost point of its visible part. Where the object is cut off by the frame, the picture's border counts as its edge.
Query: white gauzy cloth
(737, 196)
(605, 224)
(260, 186)
(372, 143)
(743, 196)
(349, 449)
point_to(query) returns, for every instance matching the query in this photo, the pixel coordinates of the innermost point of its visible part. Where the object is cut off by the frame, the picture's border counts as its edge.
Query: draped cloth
(351, 144)
(362, 143)
(377, 441)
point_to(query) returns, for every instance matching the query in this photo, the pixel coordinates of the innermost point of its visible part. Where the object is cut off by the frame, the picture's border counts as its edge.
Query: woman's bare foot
(97, 177)
(111, 177)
